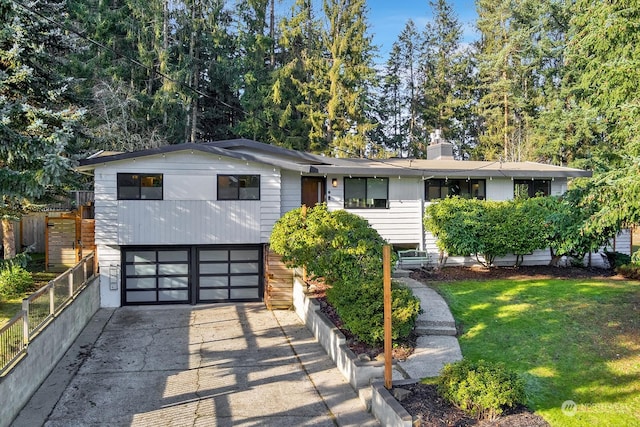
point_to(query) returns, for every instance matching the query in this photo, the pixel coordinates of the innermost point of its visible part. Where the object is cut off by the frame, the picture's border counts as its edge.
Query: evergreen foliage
(481, 388)
(343, 250)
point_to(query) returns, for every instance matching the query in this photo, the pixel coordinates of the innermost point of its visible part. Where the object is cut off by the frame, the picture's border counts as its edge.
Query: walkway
(219, 365)
(437, 344)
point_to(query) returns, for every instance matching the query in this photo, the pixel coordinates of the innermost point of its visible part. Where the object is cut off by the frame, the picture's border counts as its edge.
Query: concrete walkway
(437, 344)
(217, 365)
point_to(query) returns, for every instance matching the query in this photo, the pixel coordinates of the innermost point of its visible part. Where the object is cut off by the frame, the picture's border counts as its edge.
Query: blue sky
(387, 18)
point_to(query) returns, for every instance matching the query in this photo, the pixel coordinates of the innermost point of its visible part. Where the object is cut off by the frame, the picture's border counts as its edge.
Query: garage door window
(156, 276)
(229, 274)
(192, 274)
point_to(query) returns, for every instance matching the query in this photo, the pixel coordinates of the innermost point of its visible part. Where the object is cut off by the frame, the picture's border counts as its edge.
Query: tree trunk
(8, 239)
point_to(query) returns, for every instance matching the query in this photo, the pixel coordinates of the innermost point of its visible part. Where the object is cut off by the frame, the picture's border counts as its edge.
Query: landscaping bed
(572, 333)
(425, 404)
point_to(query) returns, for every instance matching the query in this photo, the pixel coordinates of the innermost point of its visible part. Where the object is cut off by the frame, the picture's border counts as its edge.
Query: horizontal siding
(188, 222)
(402, 222)
(270, 202)
(290, 192)
(189, 212)
(109, 262)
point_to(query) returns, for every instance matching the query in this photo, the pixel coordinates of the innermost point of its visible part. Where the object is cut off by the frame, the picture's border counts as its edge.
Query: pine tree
(445, 66)
(38, 119)
(506, 77)
(350, 55)
(299, 94)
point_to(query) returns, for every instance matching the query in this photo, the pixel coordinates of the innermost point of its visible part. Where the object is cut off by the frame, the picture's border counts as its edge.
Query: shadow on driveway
(214, 365)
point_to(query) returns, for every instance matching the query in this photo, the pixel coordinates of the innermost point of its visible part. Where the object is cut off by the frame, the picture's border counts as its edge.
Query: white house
(189, 223)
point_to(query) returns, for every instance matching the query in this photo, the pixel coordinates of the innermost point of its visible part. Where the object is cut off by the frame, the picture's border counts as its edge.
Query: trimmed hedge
(346, 251)
(481, 389)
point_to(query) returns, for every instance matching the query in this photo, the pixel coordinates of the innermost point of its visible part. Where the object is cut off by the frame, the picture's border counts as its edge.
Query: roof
(307, 163)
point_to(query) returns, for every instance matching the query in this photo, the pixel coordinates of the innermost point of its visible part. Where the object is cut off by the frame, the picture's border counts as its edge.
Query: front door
(313, 190)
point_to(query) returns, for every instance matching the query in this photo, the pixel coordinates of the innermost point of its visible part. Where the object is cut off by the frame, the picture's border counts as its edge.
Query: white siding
(189, 212)
(402, 222)
(171, 222)
(109, 262)
(499, 189)
(558, 186)
(291, 190)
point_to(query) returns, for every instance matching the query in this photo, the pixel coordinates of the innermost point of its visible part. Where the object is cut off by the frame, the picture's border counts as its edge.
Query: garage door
(171, 275)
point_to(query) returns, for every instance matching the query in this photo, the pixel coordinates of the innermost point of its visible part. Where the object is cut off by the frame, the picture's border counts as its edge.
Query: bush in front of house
(481, 389)
(14, 281)
(346, 251)
(617, 259)
(360, 306)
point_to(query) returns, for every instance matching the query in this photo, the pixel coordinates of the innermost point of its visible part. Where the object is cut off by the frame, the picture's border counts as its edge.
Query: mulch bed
(424, 403)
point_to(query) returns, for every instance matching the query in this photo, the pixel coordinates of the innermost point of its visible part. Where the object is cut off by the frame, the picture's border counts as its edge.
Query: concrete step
(435, 323)
(435, 330)
(398, 273)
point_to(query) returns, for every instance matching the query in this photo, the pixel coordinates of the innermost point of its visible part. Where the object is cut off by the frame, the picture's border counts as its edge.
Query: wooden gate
(68, 239)
(278, 283)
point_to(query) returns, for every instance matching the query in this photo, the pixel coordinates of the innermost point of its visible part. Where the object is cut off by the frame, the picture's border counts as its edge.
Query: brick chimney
(439, 148)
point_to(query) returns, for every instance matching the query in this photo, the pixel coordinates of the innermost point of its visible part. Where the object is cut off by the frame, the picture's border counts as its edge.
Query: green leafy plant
(361, 307)
(481, 389)
(14, 281)
(346, 251)
(617, 259)
(630, 271)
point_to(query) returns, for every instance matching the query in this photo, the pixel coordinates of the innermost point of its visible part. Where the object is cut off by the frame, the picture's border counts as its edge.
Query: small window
(465, 188)
(366, 193)
(525, 188)
(135, 186)
(238, 187)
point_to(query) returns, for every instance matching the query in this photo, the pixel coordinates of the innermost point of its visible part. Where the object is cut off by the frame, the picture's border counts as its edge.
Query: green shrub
(361, 308)
(14, 281)
(616, 259)
(630, 271)
(480, 388)
(346, 251)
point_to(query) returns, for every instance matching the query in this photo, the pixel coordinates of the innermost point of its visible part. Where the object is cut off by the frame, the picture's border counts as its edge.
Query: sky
(387, 18)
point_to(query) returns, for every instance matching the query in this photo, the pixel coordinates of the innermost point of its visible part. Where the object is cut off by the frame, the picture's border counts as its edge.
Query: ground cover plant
(572, 340)
(10, 305)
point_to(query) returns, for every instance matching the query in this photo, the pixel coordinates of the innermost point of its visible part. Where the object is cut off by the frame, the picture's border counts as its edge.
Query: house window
(238, 187)
(367, 193)
(465, 188)
(523, 188)
(137, 186)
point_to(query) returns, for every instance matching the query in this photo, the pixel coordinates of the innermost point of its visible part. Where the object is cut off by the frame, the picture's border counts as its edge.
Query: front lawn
(10, 307)
(572, 339)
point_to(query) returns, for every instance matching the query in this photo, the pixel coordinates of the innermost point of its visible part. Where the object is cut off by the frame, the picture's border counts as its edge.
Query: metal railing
(40, 308)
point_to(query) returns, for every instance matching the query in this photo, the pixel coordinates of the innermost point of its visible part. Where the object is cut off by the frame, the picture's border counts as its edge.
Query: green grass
(10, 307)
(572, 339)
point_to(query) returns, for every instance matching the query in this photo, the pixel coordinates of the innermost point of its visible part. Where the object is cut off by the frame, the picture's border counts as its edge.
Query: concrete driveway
(214, 365)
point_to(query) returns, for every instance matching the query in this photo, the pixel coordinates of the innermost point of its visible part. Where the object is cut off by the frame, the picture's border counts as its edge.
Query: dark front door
(313, 190)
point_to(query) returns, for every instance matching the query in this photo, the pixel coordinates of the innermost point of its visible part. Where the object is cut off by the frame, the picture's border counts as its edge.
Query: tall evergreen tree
(445, 66)
(38, 117)
(297, 102)
(350, 55)
(603, 56)
(506, 76)
(410, 44)
(391, 106)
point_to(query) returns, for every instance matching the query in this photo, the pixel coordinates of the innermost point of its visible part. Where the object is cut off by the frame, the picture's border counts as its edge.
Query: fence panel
(40, 308)
(13, 341)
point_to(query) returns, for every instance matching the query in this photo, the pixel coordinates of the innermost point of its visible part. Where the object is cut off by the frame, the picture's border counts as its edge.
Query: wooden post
(386, 268)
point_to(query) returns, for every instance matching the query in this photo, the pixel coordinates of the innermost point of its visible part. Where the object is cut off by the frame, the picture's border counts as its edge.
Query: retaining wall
(44, 351)
(359, 373)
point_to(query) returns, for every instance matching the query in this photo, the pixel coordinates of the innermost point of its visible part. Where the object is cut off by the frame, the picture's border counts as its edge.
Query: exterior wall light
(334, 182)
